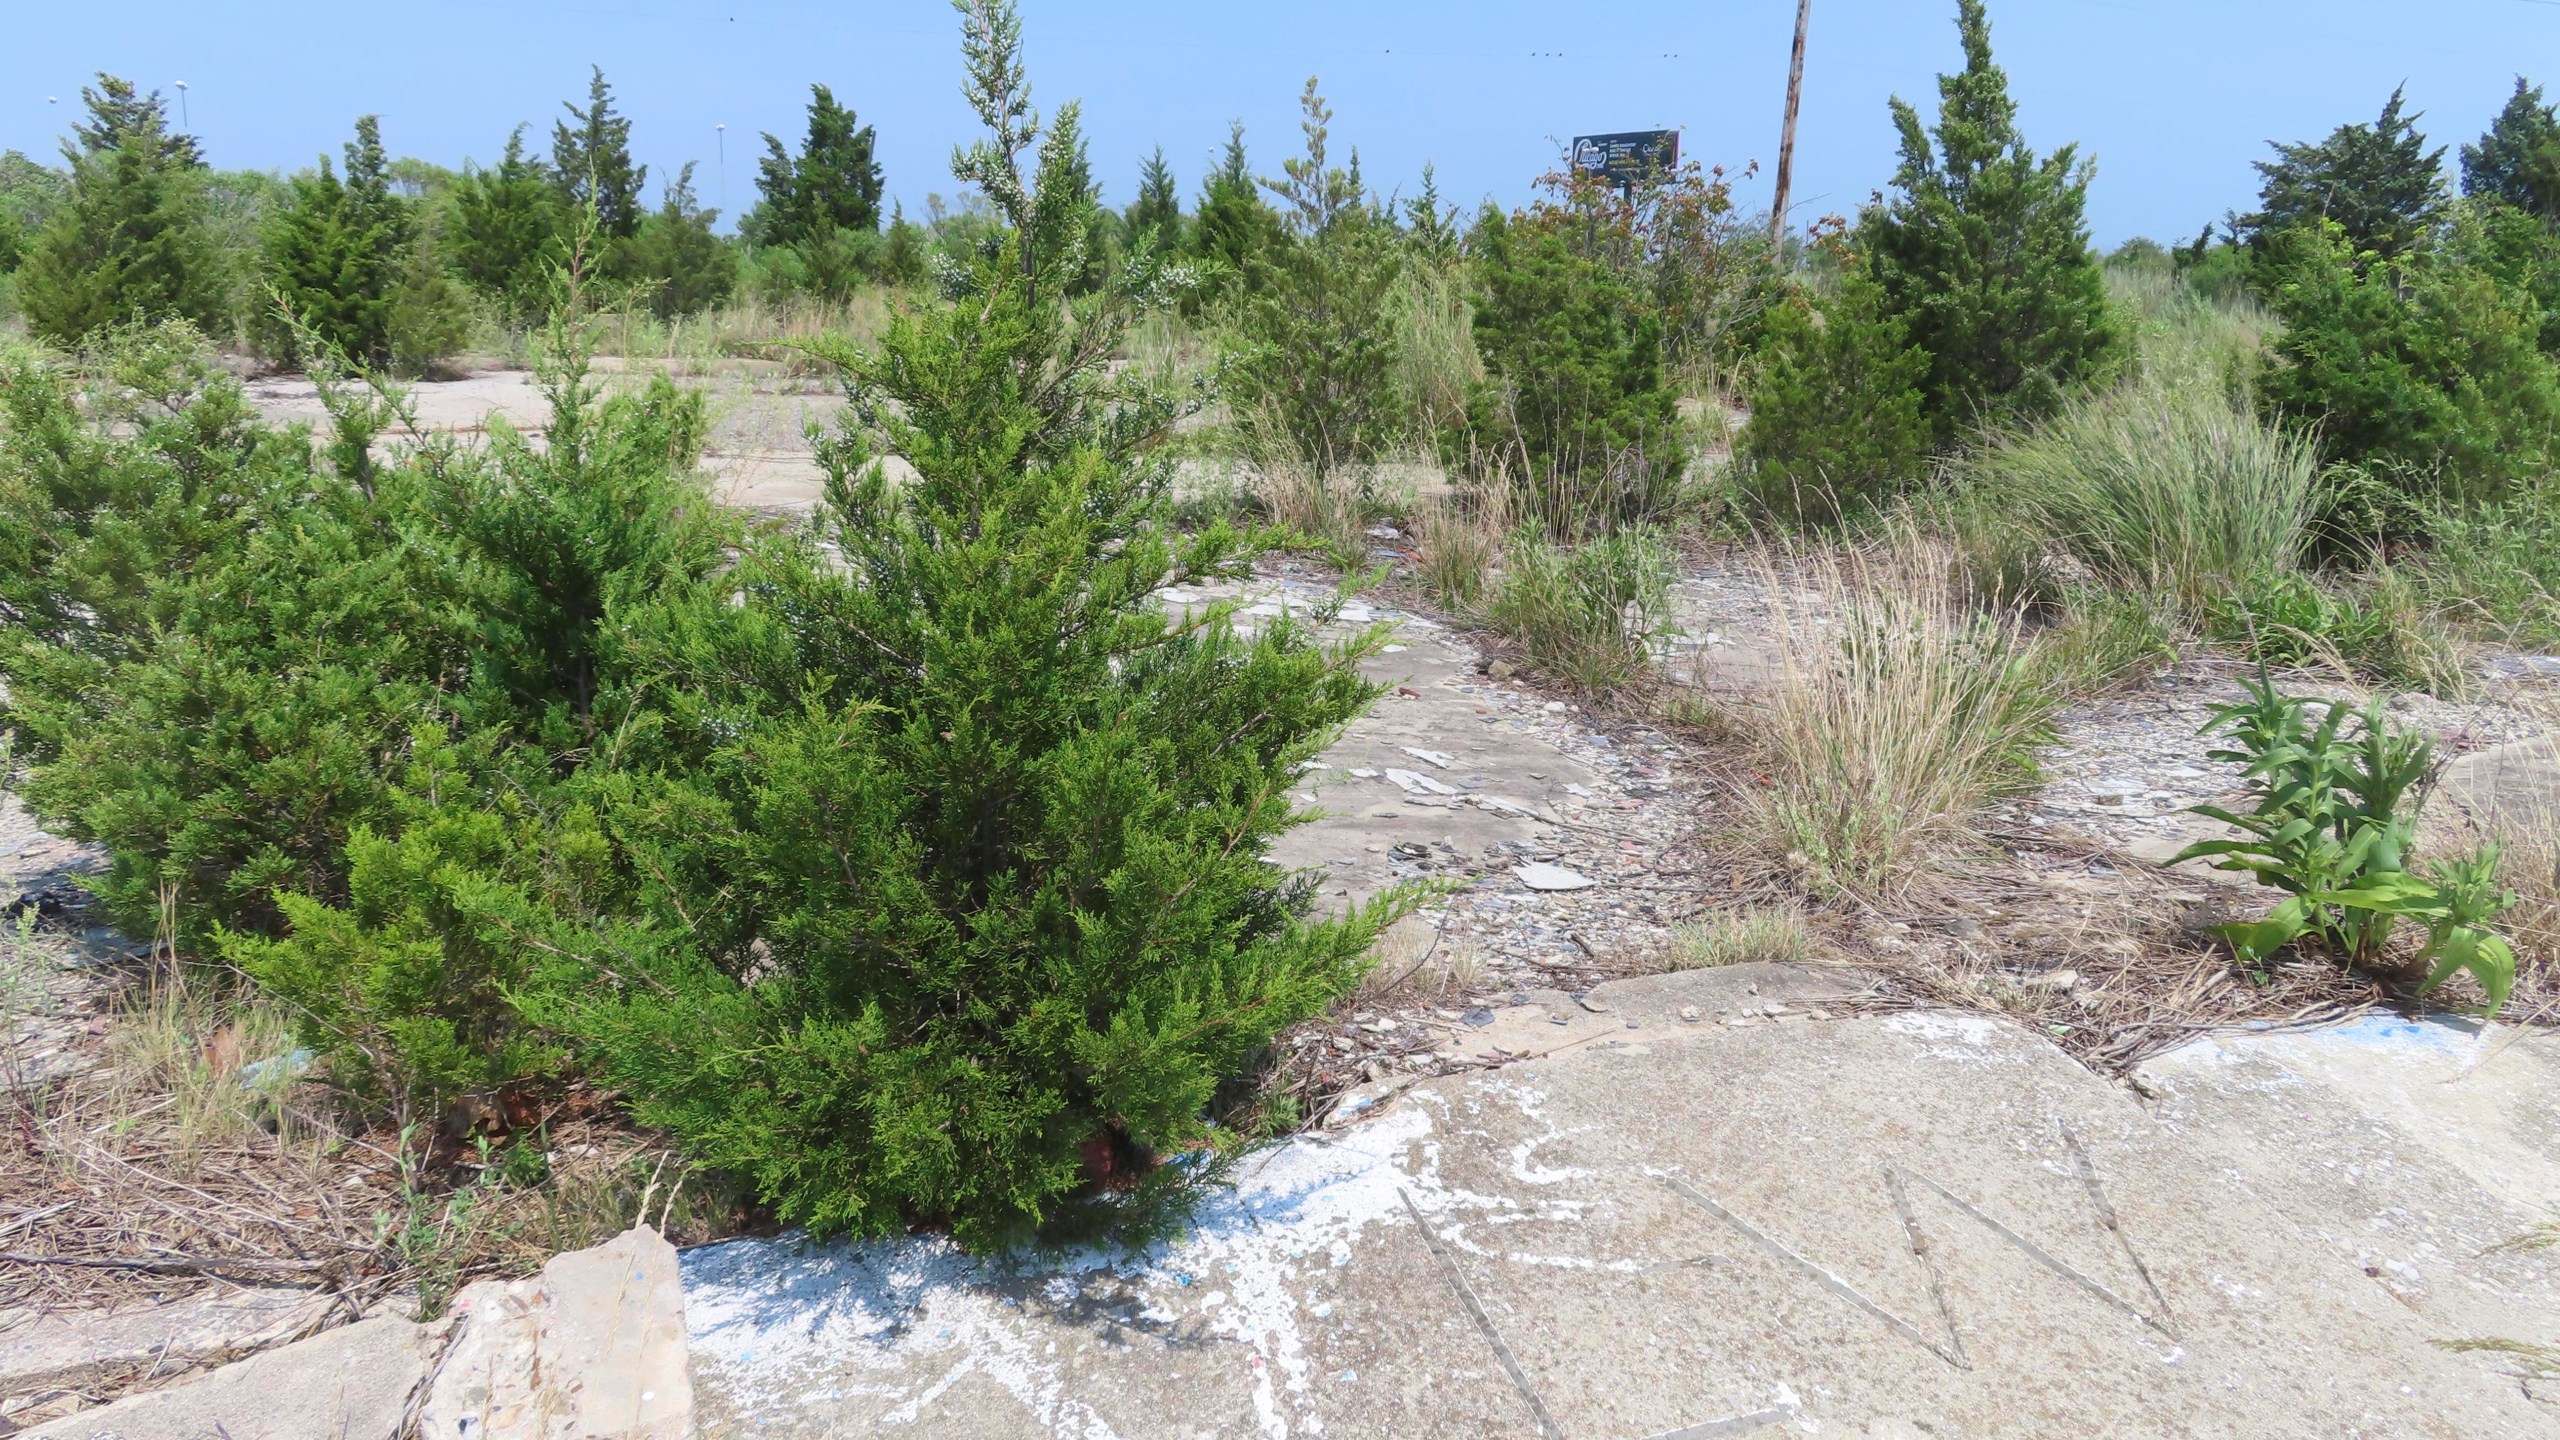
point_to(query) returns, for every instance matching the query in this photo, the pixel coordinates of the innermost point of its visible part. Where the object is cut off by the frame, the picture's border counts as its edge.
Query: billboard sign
(1628, 156)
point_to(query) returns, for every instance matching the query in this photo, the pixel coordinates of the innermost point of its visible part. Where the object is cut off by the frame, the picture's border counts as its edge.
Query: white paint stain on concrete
(837, 1329)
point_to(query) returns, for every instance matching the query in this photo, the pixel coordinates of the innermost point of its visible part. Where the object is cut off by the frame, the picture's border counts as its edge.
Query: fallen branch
(173, 1264)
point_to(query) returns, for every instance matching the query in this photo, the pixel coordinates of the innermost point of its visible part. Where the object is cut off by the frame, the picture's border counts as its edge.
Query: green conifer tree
(1838, 426)
(1069, 214)
(1232, 223)
(833, 184)
(2518, 159)
(591, 162)
(508, 224)
(1983, 253)
(129, 239)
(902, 248)
(1156, 214)
(333, 257)
(1574, 402)
(684, 266)
(987, 828)
(2378, 183)
(1312, 352)
(1430, 226)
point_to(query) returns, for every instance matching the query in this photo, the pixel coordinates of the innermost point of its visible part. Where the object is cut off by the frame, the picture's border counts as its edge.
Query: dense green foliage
(2518, 159)
(1311, 353)
(1232, 225)
(832, 184)
(2425, 371)
(967, 837)
(232, 655)
(1575, 409)
(507, 225)
(333, 257)
(2378, 183)
(682, 267)
(591, 162)
(130, 240)
(1155, 217)
(1838, 422)
(1982, 252)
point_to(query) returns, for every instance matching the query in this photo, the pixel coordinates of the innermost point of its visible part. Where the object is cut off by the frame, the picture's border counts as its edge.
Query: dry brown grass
(2142, 975)
(1896, 711)
(192, 1154)
(1458, 543)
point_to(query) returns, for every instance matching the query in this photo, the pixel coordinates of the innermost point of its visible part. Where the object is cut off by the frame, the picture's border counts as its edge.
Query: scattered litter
(1435, 758)
(1478, 1017)
(1364, 774)
(1539, 875)
(1415, 784)
(1394, 649)
(257, 1071)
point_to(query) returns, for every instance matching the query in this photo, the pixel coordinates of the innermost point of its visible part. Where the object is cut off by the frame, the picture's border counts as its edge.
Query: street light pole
(1787, 136)
(721, 135)
(184, 123)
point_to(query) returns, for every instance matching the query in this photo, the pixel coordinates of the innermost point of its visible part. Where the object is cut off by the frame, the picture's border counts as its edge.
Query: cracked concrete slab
(348, 1384)
(1892, 1225)
(42, 1351)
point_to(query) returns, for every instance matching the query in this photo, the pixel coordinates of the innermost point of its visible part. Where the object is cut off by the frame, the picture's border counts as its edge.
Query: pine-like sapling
(964, 910)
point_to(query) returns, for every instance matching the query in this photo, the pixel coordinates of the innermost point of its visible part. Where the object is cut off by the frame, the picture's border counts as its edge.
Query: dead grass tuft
(193, 1153)
(1896, 712)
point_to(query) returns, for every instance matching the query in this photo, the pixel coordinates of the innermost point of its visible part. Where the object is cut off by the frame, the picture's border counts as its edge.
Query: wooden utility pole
(1787, 136)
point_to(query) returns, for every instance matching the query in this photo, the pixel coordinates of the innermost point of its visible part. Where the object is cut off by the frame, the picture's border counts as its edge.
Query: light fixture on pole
(184, 123)
(720, 133)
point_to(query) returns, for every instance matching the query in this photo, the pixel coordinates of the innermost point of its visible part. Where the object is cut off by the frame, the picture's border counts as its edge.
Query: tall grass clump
(1585, 615)
(1436, 365)
(2175, 491)
(1898, 711)
(1457, 543)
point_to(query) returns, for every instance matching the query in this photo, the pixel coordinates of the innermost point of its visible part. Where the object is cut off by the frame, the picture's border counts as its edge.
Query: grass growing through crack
(1741, 938)
(1897, 712)
(1586, 616)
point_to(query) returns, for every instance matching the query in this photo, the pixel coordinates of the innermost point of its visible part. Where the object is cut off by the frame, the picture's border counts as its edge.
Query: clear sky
(2173, 98)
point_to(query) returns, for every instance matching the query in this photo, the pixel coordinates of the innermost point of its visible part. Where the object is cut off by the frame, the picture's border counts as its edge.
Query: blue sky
(2174, 98)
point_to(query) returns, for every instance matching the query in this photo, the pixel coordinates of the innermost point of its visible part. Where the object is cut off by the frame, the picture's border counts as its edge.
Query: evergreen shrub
(1838, 421)
(130, 240)
(1574, 405)
(959, 911)
(2426, 373)
(1982, 252)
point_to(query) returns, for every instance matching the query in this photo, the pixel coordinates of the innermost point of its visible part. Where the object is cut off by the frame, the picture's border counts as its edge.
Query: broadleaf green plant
(2333, 825)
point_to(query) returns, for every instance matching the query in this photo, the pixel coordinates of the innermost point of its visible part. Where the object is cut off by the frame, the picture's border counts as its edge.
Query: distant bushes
(2426, 371)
